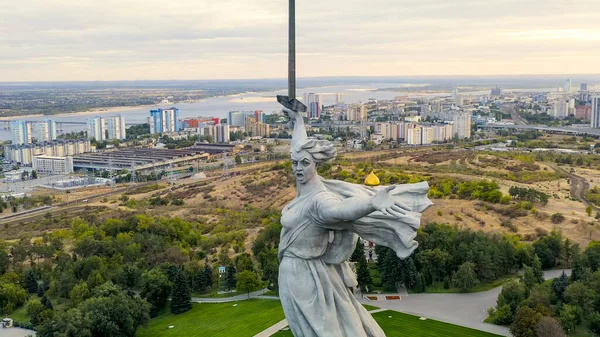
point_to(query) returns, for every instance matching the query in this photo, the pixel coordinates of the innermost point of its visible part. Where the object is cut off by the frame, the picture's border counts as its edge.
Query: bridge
(574, 130)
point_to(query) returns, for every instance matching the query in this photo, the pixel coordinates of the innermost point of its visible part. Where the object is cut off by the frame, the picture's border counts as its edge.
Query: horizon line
(310, 77)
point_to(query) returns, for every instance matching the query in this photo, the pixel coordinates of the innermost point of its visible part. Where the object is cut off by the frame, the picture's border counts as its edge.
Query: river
(220, 106)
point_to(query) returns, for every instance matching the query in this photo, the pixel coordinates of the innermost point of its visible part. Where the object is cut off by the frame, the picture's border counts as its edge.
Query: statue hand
(383, 202)
(293, 115)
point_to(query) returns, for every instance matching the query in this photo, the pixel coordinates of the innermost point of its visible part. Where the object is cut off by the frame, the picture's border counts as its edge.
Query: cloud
(200, 39)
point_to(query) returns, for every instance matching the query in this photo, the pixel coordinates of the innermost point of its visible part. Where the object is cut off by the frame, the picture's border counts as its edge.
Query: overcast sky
(219, 39)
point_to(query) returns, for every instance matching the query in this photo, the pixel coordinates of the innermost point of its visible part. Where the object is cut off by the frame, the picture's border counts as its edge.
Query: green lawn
(19, 315)
(402, 325)
(219, 319)
(370, 307)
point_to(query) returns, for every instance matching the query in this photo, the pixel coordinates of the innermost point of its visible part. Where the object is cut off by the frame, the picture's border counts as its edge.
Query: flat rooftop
(139, 158)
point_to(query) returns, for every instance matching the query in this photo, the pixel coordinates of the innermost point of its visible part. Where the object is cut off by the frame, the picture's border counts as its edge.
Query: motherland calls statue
(320, 229)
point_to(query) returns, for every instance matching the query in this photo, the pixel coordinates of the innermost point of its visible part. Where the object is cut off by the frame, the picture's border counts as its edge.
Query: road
(253, 294)
(16, 332)
(579, 186)
(462, 309)
(29, 185)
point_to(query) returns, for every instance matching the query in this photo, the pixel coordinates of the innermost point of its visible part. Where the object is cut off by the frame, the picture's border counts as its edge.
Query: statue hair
(322, 151)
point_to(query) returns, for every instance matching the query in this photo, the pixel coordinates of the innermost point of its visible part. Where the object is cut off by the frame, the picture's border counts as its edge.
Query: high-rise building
(236, 118)
(567, 86)
(260, 116)
(313, 103)
(357, 112)
(497, 91)
(222, 133)
(44, 131)
(20, 132)
(96, 128)
(583, 87)
(462, 125)
(339, 98)
(115, 126)
(164, 120)
(595, 112)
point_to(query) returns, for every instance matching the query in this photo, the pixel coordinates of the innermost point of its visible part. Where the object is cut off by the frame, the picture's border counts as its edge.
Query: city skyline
(82, 40)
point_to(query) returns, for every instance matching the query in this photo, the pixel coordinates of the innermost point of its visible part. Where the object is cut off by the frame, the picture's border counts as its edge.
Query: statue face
(304, 166)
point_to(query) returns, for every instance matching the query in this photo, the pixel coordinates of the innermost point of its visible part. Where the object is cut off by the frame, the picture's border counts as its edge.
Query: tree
(559, 285)
(72, 323)
(549, 327)
(358, 253)
(465, 277)
(181, 297)
(594, 323)
(238, 159)
(41, 290)
(526, 320)
(247, 282)
(504, 315)
(230, 280)
(34, 174)
(32, 284)
(115, 314)
(155, 288)
(581, 296)
(570, 317)
(588, 210)
(363, 274)
(512, 294)
(538, 273)
(80, 293)
(33, 308)
(46, 302)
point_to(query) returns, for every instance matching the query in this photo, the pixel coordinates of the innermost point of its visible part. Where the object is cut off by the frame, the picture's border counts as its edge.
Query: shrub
(557, 218)
(503, 316)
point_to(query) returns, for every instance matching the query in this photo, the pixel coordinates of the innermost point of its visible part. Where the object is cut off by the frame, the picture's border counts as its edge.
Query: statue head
(307, 155)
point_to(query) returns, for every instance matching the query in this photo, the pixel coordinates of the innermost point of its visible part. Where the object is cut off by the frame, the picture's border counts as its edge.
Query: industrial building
(139, 160)
(55, 165)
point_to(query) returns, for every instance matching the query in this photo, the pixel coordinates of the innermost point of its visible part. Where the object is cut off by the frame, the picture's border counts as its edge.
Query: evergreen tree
(180, 297)
(359, 252)
(419, 285)
(40, 290)
(230, 280)
(46, 302)
(559, 285)
(208, 276)
(32, 285)
(363, 275)
(409, 272)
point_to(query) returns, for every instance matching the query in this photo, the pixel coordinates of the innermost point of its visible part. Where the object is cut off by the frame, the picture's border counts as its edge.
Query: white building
(44, 131)
(462, 125)
(96, 128)
(49, 164)
(115, 126)
(24, 154)
(357, 112)
(20, 132)
(595, 112)
(222, 133)
(339, 98)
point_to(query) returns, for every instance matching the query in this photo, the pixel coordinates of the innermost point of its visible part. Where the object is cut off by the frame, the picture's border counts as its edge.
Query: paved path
(272, 329)
(253, 294)
(462, 309)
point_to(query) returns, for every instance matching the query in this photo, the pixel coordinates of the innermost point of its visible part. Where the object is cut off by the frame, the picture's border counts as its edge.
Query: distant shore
(80, 113)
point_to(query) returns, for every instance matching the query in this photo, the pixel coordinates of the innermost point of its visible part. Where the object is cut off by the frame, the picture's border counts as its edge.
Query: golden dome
(372, 180)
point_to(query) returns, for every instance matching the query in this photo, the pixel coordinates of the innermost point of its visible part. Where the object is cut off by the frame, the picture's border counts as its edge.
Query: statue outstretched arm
(334, 211)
